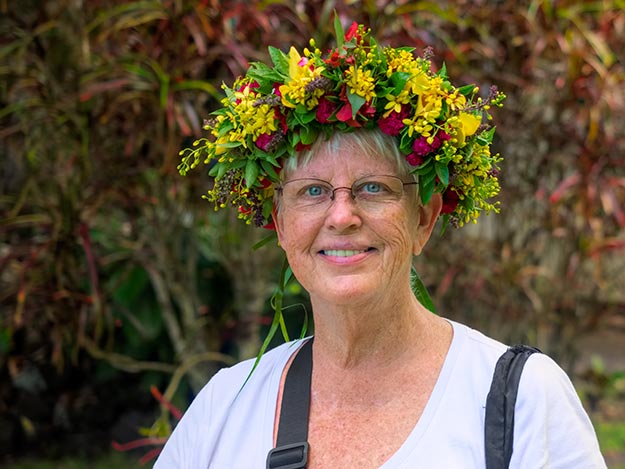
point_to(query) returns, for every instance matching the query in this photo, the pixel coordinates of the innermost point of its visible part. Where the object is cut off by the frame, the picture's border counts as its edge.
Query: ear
(428, 215)
(277, 221)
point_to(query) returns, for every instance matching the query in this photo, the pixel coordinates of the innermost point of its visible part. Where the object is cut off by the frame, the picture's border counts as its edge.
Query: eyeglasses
(369, 192)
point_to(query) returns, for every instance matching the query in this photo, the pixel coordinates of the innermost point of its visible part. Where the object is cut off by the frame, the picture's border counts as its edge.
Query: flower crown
(272, 113)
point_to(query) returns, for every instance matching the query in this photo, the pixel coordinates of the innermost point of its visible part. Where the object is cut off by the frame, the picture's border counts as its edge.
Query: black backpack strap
(291, 451)
(499, 421)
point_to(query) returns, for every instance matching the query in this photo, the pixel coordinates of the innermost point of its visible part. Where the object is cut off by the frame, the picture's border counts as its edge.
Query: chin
(347, 290)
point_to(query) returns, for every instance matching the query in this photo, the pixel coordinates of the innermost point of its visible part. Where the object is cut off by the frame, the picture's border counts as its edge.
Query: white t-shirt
(229, 425)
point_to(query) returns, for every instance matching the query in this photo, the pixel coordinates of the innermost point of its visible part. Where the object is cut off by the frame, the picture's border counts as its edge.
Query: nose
(349, 189)
(343, 213)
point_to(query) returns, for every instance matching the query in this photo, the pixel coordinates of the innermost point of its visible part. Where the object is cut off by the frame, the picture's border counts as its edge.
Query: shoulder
(254, 371)
(476, 353)
(552, 429)
(235, 401)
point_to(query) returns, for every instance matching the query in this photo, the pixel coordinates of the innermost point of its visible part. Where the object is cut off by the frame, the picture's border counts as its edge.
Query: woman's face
(346, 252)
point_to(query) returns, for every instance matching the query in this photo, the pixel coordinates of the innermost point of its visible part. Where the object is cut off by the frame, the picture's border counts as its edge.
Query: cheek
(402, 227)
(292, 231)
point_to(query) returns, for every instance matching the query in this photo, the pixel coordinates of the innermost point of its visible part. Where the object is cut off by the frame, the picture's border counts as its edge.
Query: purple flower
(440, 137)
(414, 160)
(263, 141)
(325, 110)
(392, 124)
(421, 146)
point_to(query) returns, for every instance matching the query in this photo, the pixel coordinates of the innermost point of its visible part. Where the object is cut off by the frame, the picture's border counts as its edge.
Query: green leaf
(264, 75)
(338, 29)
(405, 142)
(229, 144)
(308, 135)
(356, 102)
(427, 189)
(466, 90)
(446, 218)
(442, 72)
(266, 240)
(278, 318)
(418, 288)
(251, 173)
(426, 170)
(269, 169)
(442, 171)
(486, 137)
(399, 79)
(308, 117)
(280, 61)
(237, 164)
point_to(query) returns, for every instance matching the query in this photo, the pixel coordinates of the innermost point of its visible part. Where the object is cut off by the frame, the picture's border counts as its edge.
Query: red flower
(264, 182)
(414, 160)
(270, 226)
(440, 137)
(392, 124)
(353, 32)
(345, 113)
(325, 110)
(282, 119)
(301, 146)
(334, 59)
(421, 146)
(263, 141)
(450, 201)
(367, 110)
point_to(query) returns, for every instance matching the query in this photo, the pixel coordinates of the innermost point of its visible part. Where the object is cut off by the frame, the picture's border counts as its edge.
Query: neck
(374, 334)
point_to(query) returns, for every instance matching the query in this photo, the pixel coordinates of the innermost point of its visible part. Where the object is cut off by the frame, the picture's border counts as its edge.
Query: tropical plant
(111, 261)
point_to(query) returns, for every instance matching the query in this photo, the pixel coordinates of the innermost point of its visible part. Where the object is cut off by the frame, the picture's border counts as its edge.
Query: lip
(346, 254)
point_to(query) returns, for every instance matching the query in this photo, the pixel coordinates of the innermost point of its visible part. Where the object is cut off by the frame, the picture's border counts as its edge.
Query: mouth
(344, 252)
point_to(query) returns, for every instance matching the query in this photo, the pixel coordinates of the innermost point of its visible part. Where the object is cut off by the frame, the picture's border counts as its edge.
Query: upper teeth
(342, 252)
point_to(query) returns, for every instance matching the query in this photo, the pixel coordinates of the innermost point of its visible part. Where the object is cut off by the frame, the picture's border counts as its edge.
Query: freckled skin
(392, 232)
(377, 350)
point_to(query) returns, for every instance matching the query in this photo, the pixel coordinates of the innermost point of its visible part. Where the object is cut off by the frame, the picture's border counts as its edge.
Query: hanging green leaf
(420, 291)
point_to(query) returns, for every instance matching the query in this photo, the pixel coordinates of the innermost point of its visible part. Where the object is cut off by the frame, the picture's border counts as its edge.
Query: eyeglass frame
(280, 188)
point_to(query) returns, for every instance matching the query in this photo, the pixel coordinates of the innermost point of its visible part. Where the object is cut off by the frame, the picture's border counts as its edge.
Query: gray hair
(369, 142)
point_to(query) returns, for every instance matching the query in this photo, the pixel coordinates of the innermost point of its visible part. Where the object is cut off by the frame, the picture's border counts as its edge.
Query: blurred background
(122, 291)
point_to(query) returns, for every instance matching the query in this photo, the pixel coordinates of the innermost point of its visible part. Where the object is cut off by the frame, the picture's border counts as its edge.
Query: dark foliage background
(116, 276)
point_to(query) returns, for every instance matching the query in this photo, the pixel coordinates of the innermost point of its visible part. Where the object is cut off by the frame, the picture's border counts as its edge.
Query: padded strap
(291, 451)
(499, 421)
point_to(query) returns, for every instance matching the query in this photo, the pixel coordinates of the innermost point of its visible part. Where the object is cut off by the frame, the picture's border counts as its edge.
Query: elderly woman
(359, 175)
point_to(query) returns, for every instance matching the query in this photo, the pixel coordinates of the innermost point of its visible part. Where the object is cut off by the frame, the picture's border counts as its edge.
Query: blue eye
(313, 191)
(372, 187)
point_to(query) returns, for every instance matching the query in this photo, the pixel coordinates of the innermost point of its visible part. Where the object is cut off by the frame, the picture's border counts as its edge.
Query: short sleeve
(551, 429)
(189, 445)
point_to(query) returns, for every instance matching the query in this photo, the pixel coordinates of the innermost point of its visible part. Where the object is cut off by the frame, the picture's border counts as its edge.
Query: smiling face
(346, 252)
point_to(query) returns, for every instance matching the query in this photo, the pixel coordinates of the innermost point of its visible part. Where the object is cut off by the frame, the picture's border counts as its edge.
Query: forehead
(351, 155)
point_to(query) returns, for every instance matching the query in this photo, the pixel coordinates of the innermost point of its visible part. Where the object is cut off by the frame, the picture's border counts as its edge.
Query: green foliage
(107, 253)
(611, 436)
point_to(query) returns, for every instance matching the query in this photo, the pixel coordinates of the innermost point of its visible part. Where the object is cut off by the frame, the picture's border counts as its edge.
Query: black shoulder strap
(291, 451)
(499, 423)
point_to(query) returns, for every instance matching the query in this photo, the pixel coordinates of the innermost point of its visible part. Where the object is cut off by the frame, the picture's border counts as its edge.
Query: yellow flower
(395, 102)
(360, 82)
(301, 73)
(400, 61)
(468, 125)
(456, 100)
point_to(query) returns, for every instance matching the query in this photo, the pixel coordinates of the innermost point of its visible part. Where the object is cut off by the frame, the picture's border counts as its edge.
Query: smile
(344, 252)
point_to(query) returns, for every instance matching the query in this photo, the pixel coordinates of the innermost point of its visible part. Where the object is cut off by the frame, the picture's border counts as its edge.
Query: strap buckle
(293, 456)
